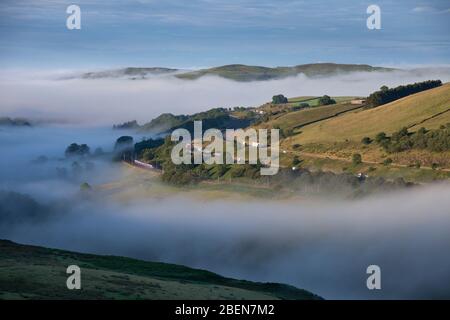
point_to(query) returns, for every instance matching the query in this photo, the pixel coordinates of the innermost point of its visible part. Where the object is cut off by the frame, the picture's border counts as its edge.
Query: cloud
(423, 9)
(324, 247)
(429, 9)
(321, 244)
(107, 101)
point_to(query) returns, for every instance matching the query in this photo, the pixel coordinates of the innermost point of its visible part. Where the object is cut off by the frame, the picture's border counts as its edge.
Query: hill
(236, 72)
(30, 272)
(218, 118)
(5, 121)
(428, 109)
(164, 122)
(240, 72)
(297, 119)
(131, 72)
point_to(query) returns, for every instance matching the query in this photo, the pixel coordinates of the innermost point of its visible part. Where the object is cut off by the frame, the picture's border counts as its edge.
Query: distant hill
(429, 109)
(30, 272)
(132, 73)
(126, 125)
(6, 121)
(164, 122)
(239, 72)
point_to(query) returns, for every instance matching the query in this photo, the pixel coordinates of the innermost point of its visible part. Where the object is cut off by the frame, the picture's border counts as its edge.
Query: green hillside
(429, 109)
(164, 122)
(30, 272)
(218, 118)
(298, 119)
(239, 72)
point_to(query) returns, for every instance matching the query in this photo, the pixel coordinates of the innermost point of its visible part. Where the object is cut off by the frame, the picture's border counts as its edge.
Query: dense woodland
(386, 95)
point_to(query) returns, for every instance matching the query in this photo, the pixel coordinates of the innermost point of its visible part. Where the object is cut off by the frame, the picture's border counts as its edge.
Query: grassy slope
(314, 101)
(391, 117)
(29, 272)
(297, 119)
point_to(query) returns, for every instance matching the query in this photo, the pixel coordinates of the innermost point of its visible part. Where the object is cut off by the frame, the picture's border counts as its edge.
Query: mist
(324, 248)
(33, 158)
(323, 245)
(44, 95)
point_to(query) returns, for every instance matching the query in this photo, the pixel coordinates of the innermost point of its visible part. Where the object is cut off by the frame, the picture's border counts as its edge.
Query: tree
(366, 140)
(124, 148)
(326, 100)
(123, 142)
(77, 150)
(380, 137)
(356, 159)
(85, 187)
(296, 161)
(279, 99)
(302, 105)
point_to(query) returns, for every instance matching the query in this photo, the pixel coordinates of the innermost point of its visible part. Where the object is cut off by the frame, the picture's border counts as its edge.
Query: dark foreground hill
(30, 272)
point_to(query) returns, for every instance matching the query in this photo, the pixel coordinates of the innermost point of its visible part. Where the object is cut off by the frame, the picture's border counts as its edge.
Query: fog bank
(324, 248)
(106, 101)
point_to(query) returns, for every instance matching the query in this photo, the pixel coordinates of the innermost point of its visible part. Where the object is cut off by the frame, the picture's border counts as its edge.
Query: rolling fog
(43, 95)
(322, 246)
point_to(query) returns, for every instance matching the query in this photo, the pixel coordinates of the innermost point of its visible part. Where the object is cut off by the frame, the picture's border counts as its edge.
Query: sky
(202, 33)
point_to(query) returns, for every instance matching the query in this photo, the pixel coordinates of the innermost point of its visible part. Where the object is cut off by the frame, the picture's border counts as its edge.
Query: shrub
(356, 159)
(326, 100)
(433, 140)
(380, 137)
(366, 140)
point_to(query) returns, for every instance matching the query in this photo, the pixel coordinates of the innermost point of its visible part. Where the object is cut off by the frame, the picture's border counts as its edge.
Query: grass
(239, 72)
(391, 117)
(314, 101)
(29, 272)
(297, 119)
(390, 172)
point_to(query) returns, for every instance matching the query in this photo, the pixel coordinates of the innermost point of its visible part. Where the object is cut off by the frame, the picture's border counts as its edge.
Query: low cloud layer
(324, 248)
(105, 101)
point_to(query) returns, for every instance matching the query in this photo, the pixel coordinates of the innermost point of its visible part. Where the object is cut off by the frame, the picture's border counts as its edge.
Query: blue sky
(202, 33)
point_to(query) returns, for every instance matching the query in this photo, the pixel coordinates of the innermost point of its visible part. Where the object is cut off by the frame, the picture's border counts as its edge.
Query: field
(298, 119)
(314, 101)
(413, 111)
(28, 272)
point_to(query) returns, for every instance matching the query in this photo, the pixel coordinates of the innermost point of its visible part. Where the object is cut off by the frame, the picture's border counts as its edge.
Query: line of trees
(386, 95)
(433, 140)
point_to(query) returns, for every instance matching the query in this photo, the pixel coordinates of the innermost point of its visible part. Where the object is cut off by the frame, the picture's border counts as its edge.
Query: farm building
(358, 101)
